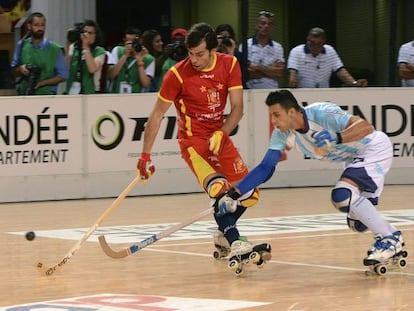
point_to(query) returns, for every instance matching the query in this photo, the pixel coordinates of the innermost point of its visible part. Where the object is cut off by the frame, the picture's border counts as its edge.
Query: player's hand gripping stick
(144, 167)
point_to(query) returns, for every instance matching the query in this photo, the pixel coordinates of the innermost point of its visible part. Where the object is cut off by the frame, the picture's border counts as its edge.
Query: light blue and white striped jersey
(318, 116)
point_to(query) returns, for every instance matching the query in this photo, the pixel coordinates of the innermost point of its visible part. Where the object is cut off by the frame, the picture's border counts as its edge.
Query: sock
(364, 211)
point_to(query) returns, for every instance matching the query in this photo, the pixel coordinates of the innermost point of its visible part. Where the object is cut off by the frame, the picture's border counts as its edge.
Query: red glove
(144, 169)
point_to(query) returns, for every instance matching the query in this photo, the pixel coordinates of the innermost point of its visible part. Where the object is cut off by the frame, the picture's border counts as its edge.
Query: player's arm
(144, 169)
(236, 113)
(261, 173)
(153, 124)
(227, 203)
(357, 128)
(219, 137)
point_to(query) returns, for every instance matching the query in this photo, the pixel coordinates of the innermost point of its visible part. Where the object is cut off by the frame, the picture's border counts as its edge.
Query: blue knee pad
(356, 225)
(341, 199)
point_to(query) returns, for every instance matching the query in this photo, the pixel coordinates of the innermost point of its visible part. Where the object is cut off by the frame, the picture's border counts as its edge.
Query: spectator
(266, 61)
(311, 65)
(406, 64)
(174, 52)
(86, 60)
(38, 62)
(131, 67)
(151, 39)
(227, 44)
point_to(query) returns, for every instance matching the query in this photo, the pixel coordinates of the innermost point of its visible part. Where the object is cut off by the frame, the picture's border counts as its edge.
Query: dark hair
(132, 31)
(99, 37)
(284, 98)
(33, 15)
(148, 38)
(226, 27)
(199, 32)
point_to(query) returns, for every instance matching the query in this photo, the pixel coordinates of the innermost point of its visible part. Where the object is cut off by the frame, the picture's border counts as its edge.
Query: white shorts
(368, 170)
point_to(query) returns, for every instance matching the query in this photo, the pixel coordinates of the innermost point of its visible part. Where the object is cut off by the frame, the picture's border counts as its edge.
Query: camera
(73, 34)
(179, 50)
(33, 78)
(136, 45)
(226, 41)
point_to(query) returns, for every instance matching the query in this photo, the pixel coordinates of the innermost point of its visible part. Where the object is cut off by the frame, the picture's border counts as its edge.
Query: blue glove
(325, 139)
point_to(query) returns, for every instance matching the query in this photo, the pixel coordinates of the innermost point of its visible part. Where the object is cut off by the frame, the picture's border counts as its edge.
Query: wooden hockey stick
(49, 271)
(152, 239)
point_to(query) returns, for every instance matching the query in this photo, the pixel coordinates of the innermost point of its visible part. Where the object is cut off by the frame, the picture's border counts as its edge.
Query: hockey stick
(78, 245)
(151, 239)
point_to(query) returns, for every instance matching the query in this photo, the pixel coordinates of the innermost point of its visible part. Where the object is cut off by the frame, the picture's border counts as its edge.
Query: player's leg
(234, 168)
(207, 170)
(357, 194)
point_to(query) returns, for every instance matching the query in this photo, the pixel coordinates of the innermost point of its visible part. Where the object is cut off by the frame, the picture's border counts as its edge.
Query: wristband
(338, 138)
(140, 64)
(145, 156)
(233, 194)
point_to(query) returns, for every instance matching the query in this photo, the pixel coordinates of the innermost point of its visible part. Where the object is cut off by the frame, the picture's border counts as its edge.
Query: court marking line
(329, 267)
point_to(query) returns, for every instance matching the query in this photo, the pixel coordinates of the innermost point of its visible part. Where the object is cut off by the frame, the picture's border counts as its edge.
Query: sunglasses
(266, 13)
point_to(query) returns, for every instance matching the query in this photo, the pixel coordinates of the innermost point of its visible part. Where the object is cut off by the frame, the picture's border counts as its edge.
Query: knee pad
(356, 225)
(217, 186)
(250, 198)
(343, 195)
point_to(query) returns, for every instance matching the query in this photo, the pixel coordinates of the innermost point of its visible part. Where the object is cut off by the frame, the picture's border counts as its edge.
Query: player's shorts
(368, 170)
(204, 163)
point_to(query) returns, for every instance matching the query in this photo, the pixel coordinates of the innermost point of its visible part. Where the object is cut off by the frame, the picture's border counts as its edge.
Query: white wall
(47, 148)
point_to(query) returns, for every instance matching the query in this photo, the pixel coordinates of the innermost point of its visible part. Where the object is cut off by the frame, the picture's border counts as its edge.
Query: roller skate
(387, 251)
(243, 252)
(221, 244)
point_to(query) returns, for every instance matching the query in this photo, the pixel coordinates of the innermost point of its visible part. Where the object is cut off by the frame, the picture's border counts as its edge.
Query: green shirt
(79, 72)
(130, 72)
(45, 58)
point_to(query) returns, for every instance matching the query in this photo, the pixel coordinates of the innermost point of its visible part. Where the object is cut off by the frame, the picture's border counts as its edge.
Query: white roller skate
(388, 250)
(221, 244)
(242, 252)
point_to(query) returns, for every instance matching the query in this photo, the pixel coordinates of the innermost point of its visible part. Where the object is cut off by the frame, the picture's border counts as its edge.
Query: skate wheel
(402, 263)
(234, 265)
(254, 257)
(261, 263)
(239, 272)
(216, 255)
(404, 254)
(381, 269)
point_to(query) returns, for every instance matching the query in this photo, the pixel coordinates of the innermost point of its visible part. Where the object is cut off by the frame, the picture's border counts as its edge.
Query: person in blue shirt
(38, 62)
(323, 131)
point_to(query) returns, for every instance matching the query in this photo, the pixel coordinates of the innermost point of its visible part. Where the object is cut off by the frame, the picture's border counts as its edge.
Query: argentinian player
(324, 131)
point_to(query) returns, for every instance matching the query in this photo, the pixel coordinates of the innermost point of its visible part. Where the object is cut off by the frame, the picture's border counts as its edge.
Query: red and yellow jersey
(200, 96)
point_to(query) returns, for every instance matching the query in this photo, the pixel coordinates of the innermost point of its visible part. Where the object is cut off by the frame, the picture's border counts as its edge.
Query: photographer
(38, 63)
(131, 68)
(85, 58)
(227, 44)
(174, 52)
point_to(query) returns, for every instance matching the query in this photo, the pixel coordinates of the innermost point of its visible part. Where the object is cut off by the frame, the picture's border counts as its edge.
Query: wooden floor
(310, 270)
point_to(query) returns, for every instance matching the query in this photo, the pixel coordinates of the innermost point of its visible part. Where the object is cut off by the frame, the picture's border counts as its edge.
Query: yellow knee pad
(249, 198)
(217, 186)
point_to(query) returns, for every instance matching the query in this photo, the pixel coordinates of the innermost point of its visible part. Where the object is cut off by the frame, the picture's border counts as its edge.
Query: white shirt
(406, 55)
(314, 72)
(266, 56)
